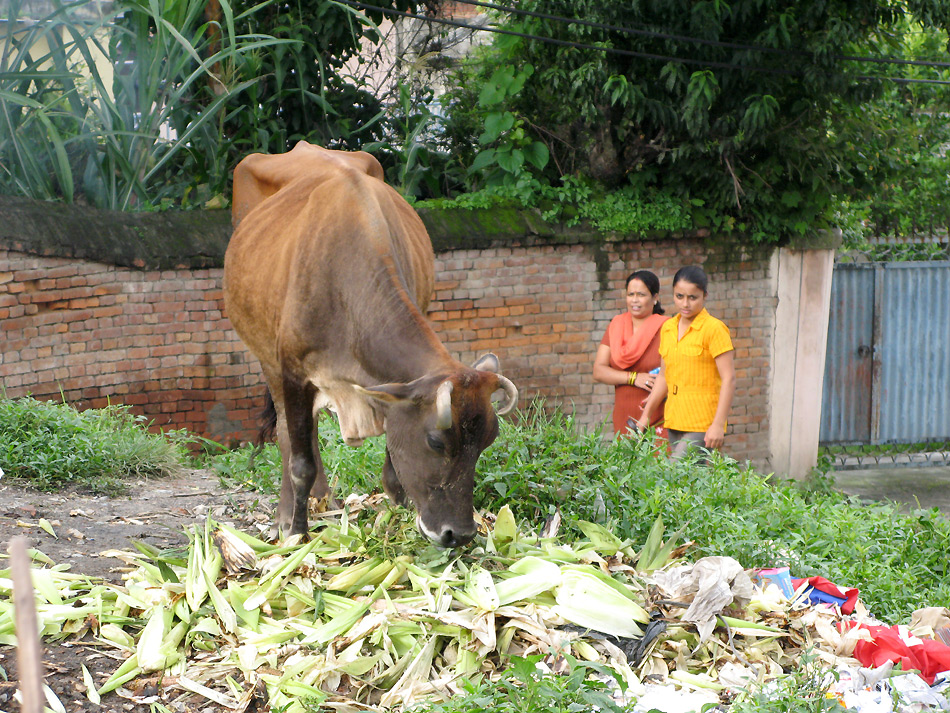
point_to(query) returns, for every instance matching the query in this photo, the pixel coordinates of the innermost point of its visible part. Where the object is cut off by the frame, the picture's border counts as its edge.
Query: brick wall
(158, 340)
(544, 310)
(155, 336)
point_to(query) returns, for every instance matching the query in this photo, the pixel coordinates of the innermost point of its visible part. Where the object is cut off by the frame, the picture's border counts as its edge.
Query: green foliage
(411, 153)
(348, 469)
(507, 146)
(111, 111)
(884, 451)
(517, 469)
(636, 211)
(524, 688)
(304, 90)
(153, 105)
(542, 465)
(248, 467)
(752, 128)
(802, 691)
(52, 445)
(892, 153)
(631, 210)
(895, 560)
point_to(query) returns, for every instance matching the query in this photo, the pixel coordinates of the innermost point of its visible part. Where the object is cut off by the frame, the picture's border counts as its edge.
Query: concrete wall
(803, 286)
(96, 318)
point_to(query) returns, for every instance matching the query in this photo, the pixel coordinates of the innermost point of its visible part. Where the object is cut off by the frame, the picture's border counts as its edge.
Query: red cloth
(844, 598)
(644, 351)
(626, 348)
(928, 656)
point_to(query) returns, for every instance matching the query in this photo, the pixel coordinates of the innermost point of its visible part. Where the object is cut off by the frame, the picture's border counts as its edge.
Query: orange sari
(638, 352)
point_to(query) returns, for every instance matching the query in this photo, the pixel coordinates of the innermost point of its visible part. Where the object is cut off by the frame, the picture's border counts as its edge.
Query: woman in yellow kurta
(697, 374)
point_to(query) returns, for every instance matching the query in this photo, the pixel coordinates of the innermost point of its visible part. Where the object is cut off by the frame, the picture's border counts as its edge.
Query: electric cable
(614, 50)
(696, 40)
(564, 43)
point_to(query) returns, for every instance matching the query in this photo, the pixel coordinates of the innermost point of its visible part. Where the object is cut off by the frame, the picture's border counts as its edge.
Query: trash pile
(365, 615)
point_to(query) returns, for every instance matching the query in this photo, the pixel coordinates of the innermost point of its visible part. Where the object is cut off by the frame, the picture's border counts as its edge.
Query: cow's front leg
(285, 506)
(391, 483)
(298, 411)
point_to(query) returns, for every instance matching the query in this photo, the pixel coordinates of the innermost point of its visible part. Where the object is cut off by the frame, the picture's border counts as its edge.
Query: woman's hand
(645, 381)
(640, 426)
(715, 435)
(657, 394)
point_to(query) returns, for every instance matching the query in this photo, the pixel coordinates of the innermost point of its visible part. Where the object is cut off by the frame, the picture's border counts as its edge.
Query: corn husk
(388, 619)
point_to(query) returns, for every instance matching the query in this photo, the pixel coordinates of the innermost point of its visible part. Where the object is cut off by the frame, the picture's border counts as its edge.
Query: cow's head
(436, 428)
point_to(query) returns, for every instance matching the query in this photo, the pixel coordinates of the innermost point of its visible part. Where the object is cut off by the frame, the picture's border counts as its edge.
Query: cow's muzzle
(447, 537)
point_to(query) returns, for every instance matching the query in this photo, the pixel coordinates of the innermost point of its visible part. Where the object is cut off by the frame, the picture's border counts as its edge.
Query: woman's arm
(657, 394)
(606, 374)
(715, 434)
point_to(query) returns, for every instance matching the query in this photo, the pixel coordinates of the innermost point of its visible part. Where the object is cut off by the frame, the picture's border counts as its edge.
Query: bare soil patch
(156, 511)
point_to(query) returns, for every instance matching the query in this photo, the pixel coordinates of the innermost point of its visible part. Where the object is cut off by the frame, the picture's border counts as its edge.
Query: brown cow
(326, 279)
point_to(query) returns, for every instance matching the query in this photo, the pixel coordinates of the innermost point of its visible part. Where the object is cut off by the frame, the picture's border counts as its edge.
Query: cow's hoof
(282, 534)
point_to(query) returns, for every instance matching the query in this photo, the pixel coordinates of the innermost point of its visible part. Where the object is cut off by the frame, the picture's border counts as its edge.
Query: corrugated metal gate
(887, 369)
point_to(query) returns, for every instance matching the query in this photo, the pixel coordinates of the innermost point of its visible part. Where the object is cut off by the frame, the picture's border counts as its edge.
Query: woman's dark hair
(652, 283)
(693, 274)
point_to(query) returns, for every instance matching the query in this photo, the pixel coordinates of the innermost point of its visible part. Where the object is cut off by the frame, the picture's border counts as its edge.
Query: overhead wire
(633, 53)
(696, 40)
(564, 43)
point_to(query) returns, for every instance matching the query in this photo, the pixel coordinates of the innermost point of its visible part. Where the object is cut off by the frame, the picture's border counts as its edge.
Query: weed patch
(527, 685)
(542, 465)
(53, 445)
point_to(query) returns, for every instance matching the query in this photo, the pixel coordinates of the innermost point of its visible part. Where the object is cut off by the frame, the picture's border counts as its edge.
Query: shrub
(542, 465)
(52, 445)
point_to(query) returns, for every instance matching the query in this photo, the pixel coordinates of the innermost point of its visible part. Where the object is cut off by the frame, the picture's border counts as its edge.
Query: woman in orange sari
(630, 350)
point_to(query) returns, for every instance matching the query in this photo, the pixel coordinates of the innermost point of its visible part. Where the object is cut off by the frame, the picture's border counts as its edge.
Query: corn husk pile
(367, 615)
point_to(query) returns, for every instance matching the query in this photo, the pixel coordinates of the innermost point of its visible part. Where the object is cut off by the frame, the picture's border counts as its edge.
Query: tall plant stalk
(116, 101)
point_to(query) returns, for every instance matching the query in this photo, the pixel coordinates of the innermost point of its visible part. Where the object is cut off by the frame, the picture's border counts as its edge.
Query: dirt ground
(155, 511)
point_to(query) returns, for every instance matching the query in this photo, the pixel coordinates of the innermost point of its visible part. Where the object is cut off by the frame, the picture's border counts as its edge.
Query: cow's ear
(387, 393)
(488, 362)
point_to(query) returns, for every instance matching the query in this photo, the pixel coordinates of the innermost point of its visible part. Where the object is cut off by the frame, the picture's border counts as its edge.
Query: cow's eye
(435, 443)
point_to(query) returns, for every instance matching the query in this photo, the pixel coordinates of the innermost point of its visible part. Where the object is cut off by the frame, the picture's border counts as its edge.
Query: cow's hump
(259, 176)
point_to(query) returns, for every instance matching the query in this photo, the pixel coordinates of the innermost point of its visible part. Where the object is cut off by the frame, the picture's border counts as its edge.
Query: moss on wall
(152, 241)
(198, 239)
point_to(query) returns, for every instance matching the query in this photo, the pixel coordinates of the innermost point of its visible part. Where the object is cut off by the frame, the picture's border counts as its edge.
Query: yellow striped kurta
(692, 378)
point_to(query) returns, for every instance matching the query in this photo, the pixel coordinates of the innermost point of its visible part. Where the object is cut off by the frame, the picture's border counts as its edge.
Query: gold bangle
(633, 378)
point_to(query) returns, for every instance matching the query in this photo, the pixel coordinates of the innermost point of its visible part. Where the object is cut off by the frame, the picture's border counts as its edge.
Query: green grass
(541, 465)
(802, 691)
(524, 687)
(52, 445)
(897, 561)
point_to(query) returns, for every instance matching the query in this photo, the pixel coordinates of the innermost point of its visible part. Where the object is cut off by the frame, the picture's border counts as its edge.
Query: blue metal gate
(887, 368)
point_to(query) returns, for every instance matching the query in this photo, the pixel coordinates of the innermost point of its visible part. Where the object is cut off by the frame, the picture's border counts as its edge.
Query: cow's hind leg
(302, 467)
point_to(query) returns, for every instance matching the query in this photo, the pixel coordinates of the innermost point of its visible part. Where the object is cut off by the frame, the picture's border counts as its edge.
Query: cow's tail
(268, 421)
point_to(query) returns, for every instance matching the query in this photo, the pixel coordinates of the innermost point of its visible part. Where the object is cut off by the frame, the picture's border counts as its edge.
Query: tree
(894, 169)
(731, 107)
(305, 90)
(155, 102)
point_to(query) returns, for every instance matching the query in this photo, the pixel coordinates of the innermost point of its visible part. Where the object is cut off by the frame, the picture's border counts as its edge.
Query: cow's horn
(443, 406)
(511, 392)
